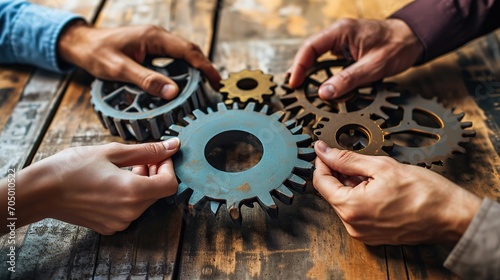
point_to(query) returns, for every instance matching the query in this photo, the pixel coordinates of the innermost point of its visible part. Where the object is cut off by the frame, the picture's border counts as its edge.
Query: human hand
(381, 201)
(85, 185)
(380, 48)
(115, 54)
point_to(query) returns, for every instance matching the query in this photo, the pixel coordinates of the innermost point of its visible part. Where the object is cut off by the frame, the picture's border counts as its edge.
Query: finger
(364, 71)
(141, 154)
(326, 184)
(140, 170)
(165, 43)
(150, 81)
(153, 169)
(350, 163)
(162, 184)
(330, 38)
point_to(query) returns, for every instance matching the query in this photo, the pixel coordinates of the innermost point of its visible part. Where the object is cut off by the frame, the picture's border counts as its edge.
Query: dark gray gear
(130, 112)
(285, 156)
(449, 132)
(304, 103)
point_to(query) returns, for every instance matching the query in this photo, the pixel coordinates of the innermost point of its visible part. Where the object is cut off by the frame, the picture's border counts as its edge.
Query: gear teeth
(221, 107)
(296, 130)
(198, 113)
(140, 134)
(121, 129)
(210, 110)
(307, 154)
(460, 116)
(466, 124)
(250, 106)
(267, 203)
(296, 183)
(301, 138)
(188, 120)
(264, 109)
(380, 122)
(303, 165)
(290, 123)
(215, 206)
(110, 125)
(196, 200)
(460, 149)
(235, 106)
(175, 128)
(469, 133)
(277, 115)
(284, 194)
(182, 187)
(154, 128)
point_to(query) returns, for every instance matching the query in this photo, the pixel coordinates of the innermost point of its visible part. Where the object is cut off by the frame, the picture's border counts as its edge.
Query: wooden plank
(308, 240)
(148, 248)
(29, 116)
(12, 81)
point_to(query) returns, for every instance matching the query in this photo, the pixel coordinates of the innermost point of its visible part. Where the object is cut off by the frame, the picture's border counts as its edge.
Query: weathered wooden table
(43, 113)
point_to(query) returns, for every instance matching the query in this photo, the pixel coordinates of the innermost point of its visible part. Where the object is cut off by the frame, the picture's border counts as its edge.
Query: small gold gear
(247, 85)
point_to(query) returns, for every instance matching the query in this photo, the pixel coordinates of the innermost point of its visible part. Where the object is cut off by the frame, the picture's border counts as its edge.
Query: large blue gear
(285, 154)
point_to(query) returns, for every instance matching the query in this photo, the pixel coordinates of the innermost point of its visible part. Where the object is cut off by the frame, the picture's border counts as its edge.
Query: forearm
(24, 195)
(477, 254)
(444, 25)
(29, 34)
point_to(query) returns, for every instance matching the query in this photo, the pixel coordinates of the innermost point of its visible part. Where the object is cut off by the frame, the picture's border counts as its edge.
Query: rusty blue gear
(285, 158)
(130, 112)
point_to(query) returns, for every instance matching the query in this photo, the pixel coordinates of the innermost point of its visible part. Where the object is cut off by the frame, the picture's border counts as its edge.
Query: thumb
(150, 81)
(364, 71)
(141, 154)
(348, 162)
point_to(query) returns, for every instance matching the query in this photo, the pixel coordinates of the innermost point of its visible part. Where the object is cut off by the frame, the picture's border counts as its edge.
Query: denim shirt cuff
(34, 36)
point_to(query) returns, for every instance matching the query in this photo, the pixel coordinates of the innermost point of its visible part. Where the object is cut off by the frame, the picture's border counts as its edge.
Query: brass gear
(364, 135)
(247, 86)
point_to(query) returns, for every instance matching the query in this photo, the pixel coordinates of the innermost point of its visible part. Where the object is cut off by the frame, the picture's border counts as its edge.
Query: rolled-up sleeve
(477, 253)
(29, 34)
(444, 25)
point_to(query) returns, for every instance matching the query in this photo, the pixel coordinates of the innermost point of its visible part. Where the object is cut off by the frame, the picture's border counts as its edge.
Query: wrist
(405, 35)
(460, 209)
(70, 42)
(34, 190)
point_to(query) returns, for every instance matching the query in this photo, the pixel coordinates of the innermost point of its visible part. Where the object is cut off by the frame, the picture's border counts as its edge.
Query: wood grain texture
(308, 240)
(148, 248)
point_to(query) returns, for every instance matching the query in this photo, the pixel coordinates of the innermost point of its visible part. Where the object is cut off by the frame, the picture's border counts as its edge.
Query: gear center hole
(247, 84)
(233, 151)
(353, 137)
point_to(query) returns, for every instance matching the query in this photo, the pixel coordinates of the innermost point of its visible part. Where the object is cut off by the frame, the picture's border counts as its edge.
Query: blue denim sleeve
(29, 34)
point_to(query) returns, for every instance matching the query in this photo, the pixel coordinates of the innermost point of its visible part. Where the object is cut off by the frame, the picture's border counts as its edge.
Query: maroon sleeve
(444, 25)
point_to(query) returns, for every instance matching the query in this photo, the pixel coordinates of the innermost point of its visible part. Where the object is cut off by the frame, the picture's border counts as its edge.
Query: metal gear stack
(130, 112)
(285, 156)
(378, 120)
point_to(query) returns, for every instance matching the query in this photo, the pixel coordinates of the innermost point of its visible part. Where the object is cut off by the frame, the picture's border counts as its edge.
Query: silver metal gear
(305, 105)
(285, 158)
(130, 112)
(449, 132)
(246, 85)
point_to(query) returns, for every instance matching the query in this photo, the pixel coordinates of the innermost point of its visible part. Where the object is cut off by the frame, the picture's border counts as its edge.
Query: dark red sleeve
(444, 25)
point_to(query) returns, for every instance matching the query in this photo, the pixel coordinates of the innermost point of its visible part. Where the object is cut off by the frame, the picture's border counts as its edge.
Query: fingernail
(322, 147)
(326, 91)
(168, 91)
(171, 143)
